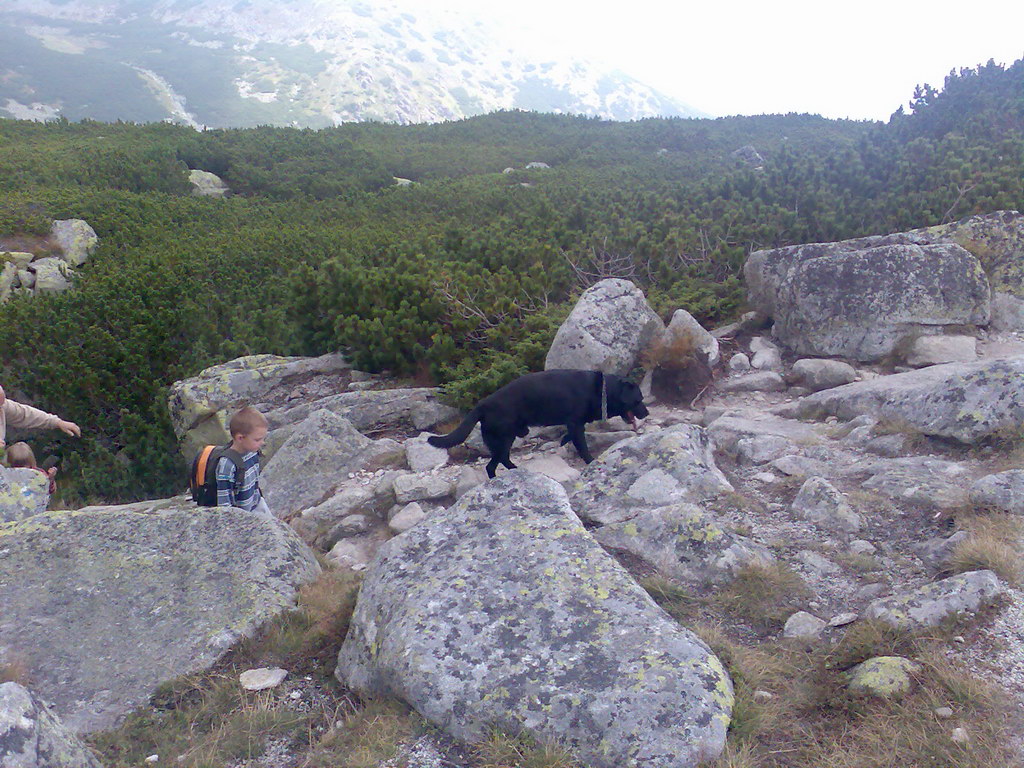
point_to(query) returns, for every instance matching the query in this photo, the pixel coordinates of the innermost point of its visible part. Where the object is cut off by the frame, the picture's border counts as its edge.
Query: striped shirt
(246, 496)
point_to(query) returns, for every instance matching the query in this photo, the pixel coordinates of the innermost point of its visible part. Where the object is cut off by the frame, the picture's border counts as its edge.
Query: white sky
(839, 59)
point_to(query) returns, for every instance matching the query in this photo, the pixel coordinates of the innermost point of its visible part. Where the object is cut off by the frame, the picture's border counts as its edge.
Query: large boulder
(52, 275)
(684, 543)
(201, 406)
(503, 611)
(103, 604)
(23, 493)
(33, 737)
(77, 240)
(206, 184)
(317, 458)
(666, 467)
(861, 299)
(608, 329)
(963, 401)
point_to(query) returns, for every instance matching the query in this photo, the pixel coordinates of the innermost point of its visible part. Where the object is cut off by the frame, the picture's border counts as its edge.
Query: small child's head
(20, 455)
(248, 430)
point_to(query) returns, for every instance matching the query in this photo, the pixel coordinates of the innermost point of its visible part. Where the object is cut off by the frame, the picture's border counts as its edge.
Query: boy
(248, 430)
(21, 455)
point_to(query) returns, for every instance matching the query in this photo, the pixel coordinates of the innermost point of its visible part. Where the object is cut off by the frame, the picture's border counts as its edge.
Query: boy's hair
(245, 421)
(20, 455)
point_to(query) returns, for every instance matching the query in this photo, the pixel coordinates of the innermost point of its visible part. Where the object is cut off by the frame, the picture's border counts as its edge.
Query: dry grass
(994, 543)
(366, 737)
(14, 671)
(763, 595)
(500, 750)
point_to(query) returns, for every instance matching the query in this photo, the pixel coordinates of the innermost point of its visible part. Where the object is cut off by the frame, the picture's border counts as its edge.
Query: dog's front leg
(579, 441)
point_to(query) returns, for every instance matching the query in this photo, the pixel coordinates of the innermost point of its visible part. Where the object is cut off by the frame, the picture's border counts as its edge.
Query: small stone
(295, 695)
(763, 695)
(765, 477)
(803, 626)
(959, 639)
(262, 678)
(862, 547)
(842, 619)
(153, 759)
(943, 713)
(959, 735)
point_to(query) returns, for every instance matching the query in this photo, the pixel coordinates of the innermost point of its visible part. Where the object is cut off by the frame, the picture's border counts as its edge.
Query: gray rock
(262, 679)
(422, 456)
(420, 487)
(667, 467)
(890, 446)
(355, 553)
(77, 240)
(860, 299)
(817, 563)
(26, 279)
(607, 330)
(322, 525)
(883, 676)
(684, 332)
(937, 551)
(684, 543)
(33, 737)
(963, 401)
(536, 166)
(934, 350)
(803, 626)
(761, 449)
(861, 547)
(931, 604)
(503, 609)
(23, 493)
(739, 363)
(1007, 312)
(731, 428)
(762, 344)
(468, 479)
(816, 375)
(52, 275)
(842, 619)
(818, 501)
(1003, 491)
(316, 460)
(113, 601)
(206, 184)
(411, 514)
(932, 483)
(762, 381)
(8, 277)
(767, 360)
(748, 155)
(801, 466)
(554, 467)
(347, 527)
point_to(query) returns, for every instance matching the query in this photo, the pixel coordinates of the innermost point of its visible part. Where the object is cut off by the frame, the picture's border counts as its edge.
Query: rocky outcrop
(76, 239)
(103, 604)
(684, 543)
(1003, 491)
(206, 184)
(502, 610)
(23, 493)
(317, 458)
(201, 406)
(670, 466)
(33, 737)
(964, 401)
(861, 299)
(929, 605)
(608, 329)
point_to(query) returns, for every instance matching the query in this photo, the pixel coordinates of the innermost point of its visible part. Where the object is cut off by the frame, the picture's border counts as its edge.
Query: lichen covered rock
(607, 330)
(23, 493)
(929, 605)
(670, 466)
(32, 737)
(503, 611)
(885, 677)
(105, 603)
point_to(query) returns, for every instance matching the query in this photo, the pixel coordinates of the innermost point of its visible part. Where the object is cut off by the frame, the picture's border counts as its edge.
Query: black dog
(542, 399)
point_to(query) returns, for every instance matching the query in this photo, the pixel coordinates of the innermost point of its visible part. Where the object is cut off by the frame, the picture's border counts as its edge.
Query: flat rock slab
(503, 611)
(103, 604)
(929, 605)
(963, 401)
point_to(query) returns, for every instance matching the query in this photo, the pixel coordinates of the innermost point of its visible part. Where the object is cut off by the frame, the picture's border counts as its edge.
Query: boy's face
(251, 442)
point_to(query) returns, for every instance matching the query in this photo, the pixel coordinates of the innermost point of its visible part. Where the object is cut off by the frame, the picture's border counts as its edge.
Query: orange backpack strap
(199, 476)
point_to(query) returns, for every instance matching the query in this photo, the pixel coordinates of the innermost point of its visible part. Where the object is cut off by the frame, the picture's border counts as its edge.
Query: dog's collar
(604, 397)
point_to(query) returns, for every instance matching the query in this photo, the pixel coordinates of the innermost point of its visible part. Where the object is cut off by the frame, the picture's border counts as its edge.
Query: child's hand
(51, 472)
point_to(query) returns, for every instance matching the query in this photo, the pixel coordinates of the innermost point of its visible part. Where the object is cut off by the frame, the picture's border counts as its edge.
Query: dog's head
(626, 400)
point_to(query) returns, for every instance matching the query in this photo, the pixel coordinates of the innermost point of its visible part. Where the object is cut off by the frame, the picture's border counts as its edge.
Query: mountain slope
(307, 63)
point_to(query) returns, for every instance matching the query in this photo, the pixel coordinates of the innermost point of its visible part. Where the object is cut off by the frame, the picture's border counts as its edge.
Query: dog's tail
(457, 435)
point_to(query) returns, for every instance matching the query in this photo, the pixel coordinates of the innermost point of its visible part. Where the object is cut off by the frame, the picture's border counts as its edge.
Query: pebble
(153, 758)
(943, 712)
(959, 735)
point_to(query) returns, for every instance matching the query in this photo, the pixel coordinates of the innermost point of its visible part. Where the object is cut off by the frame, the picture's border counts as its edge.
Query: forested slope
(460, 278)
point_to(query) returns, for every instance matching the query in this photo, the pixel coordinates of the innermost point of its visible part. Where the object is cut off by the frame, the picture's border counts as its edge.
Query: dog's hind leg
(499, 444)
(579, 441)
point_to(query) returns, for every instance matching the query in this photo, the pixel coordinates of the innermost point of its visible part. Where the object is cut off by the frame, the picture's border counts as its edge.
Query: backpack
(202, 480)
